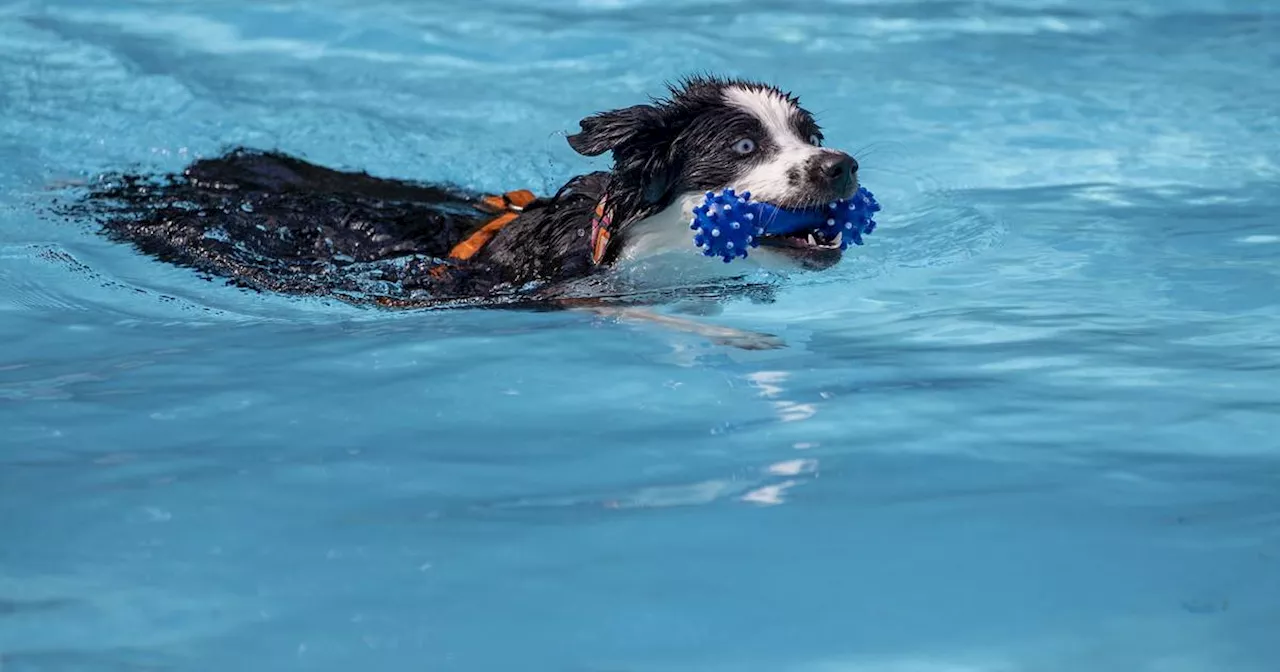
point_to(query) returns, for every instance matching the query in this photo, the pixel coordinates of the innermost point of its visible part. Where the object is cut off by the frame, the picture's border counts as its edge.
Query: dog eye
(744, 146)
(815, 140)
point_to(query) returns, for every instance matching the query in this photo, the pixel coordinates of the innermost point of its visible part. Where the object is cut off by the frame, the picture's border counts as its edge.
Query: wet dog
(272, 222)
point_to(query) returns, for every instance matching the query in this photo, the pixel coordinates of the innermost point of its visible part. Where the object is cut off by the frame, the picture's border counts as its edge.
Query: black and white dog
(277, 223)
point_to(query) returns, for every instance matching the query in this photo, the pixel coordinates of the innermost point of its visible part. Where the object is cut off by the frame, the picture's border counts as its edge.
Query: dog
(273, 222)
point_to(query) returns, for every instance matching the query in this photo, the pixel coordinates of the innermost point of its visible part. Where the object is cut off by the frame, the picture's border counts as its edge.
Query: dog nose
(838, 167)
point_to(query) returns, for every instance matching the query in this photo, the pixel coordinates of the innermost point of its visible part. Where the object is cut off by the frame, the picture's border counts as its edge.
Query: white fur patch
(666, 234)
(664, 231)
(772, 109)
(768, 181)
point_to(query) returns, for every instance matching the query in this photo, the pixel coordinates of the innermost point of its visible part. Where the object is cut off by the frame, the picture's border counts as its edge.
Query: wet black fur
(272, 222)
(679, 144)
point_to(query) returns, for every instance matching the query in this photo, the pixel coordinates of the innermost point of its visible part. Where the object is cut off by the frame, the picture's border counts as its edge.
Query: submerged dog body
(276, 223)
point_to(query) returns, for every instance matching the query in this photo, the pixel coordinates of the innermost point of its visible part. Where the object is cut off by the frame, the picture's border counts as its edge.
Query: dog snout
(835, 171)
(839, 167)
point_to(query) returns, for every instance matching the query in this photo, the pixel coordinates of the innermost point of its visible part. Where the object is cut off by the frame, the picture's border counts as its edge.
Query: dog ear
(640, 138)
(608, 130)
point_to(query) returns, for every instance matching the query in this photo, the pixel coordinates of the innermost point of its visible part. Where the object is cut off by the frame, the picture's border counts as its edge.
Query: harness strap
(601, 221)
(510, 205)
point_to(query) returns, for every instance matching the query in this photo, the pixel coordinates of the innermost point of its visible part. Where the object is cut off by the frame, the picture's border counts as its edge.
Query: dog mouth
(811, 249)
(810, 240)
(815, 248)
(813, 243)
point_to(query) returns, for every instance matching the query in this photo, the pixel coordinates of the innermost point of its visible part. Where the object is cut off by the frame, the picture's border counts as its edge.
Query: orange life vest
(509, 206)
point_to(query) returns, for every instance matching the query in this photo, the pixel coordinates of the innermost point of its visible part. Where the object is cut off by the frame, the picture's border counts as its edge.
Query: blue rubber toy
(728, 224)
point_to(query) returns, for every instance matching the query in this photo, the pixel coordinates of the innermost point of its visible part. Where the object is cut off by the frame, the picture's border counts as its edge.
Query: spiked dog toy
(728, 224)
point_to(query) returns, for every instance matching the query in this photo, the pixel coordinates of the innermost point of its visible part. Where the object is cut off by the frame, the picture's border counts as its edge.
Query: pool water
(1034, 425)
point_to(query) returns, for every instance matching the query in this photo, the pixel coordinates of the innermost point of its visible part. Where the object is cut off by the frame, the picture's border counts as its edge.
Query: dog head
(710, 134)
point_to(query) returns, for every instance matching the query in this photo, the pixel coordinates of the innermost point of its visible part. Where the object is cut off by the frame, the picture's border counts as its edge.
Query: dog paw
(747, 340)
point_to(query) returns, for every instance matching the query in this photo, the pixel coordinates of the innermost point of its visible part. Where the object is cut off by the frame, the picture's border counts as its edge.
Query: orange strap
(601, 222)
(510, 204)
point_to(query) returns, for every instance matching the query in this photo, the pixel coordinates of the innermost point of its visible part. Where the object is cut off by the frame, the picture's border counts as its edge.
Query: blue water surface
(1034, 425)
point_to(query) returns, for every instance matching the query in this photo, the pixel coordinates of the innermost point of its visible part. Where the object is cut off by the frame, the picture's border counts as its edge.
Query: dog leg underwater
(720, 335)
